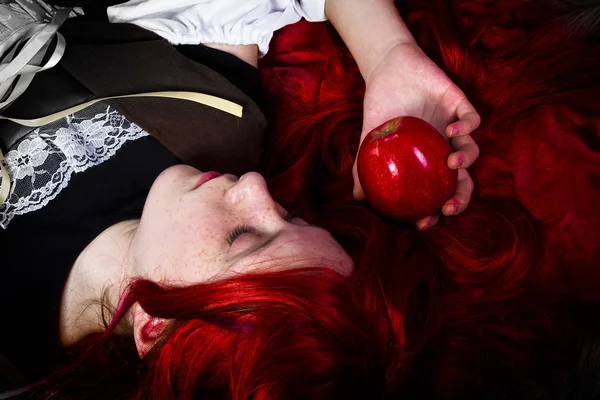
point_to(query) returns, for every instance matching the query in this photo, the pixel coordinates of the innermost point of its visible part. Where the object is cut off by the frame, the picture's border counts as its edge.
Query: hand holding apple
(403, 169)
(408, 83)
(401, 80)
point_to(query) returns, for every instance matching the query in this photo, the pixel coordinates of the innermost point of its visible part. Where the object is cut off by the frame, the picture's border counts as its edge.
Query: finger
(357, 191)
(427, 222)
(467, 152)
(468, 120)
(464, 189)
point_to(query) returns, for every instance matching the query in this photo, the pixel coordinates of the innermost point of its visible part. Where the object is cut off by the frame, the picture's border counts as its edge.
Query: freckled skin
(182, 236)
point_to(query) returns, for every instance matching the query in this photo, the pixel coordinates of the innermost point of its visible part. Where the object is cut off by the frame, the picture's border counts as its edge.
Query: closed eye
(243, 229)
(239, 231)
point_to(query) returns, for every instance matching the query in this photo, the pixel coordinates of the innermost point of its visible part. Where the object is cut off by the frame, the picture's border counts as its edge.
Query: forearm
(370, 28)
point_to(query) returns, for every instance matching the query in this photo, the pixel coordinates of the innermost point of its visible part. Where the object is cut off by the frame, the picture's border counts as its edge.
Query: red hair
(294, 334)
(490, 304)
(487, 304)
(299, 333)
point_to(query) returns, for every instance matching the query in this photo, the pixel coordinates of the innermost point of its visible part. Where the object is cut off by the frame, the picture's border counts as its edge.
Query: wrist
(369, 67)
(401, 53)
(369, 28)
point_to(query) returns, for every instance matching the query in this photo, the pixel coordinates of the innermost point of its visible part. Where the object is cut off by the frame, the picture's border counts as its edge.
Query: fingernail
(453, 132)
(459, 163)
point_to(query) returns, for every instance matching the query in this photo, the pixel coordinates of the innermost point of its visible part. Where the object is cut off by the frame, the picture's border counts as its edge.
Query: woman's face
(193, 230)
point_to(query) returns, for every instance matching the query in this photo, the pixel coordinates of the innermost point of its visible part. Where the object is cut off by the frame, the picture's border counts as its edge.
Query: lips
(207, 176)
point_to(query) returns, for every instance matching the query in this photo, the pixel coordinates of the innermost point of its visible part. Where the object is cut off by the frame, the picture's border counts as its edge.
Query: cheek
(186, 235)
(196, 238)
(185, 254)
(165, 226)
(334, 255)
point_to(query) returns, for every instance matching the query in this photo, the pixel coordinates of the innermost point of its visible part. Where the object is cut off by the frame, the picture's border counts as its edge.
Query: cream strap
(201, 98)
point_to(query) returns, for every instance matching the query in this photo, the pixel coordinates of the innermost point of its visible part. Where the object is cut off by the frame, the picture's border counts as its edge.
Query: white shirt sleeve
(311, 10)
(235, 22)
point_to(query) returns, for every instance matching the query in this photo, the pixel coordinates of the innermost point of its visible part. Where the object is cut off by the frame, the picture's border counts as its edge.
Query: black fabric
(10, 375)
(56, 90)
(120, 59)
(243, 75)
(38, 249)
(49, 92)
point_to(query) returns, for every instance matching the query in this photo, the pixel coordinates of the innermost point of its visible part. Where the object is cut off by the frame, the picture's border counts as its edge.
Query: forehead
(301, 246)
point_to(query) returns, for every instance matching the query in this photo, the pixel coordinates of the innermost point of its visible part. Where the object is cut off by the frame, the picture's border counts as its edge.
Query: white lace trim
(41, 165)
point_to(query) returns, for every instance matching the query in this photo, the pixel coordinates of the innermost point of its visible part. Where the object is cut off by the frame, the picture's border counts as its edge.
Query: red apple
(403, 170)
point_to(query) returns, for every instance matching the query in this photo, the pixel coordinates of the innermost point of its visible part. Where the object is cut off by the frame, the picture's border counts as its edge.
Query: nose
(250, 198)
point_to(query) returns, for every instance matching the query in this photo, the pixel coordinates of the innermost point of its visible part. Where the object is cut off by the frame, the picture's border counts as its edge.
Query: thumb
(357, 192)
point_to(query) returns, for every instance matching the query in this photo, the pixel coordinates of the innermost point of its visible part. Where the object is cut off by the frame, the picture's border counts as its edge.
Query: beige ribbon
(201, 98)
